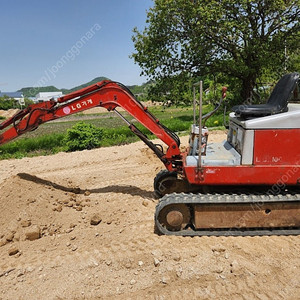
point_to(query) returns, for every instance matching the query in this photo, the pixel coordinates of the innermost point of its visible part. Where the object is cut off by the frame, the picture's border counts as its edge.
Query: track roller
(175, 217)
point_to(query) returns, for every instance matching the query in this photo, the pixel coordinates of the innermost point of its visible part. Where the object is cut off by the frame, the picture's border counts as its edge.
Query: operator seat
(277, 102)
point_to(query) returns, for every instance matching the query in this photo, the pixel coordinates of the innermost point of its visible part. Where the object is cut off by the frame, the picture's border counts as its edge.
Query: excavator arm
(107, 94)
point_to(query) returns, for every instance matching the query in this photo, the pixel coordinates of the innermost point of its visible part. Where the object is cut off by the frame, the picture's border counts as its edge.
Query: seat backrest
(283, 90)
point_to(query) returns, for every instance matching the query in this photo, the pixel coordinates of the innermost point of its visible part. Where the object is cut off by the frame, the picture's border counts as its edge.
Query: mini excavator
(246, 185)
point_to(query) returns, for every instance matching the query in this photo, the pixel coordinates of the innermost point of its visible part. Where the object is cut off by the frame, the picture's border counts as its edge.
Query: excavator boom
(107, 94)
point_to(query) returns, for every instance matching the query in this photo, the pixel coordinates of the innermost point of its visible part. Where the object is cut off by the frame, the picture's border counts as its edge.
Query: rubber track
(193, 199)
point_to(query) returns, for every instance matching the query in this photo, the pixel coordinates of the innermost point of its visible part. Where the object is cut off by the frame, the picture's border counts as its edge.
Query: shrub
(7, 103)
(83, 136)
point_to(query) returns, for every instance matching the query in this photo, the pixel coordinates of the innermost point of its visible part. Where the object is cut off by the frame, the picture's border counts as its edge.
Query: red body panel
(276, 161)
(244, 175)
(277, 147)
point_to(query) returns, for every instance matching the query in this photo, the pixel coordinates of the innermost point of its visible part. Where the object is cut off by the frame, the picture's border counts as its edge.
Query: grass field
(49, 137)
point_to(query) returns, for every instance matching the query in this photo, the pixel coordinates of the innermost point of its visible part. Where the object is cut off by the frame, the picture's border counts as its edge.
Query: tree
(9, 103)
(176, 89)
(200, 37)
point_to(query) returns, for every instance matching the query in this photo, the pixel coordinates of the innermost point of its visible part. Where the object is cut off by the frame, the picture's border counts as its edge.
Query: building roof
(12, 94)
(48, 94)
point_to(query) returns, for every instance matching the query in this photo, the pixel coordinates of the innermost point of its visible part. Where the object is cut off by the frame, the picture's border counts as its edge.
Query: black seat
(277, 102)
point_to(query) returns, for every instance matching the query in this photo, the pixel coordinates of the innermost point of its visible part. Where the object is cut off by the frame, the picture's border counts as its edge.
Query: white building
(45, 96)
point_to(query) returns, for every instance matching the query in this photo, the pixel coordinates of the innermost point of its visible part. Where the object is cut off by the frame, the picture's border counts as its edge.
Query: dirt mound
(8, 113)
(80, 226)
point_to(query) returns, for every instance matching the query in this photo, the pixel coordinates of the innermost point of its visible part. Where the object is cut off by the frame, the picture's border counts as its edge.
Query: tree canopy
(243, 40)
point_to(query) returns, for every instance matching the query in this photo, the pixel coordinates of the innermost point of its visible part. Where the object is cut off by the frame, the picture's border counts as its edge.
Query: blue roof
(12, 94)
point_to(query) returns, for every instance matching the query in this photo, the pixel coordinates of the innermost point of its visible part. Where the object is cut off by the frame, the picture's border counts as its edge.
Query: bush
(28, 102)
(83, 136)
(7, 103)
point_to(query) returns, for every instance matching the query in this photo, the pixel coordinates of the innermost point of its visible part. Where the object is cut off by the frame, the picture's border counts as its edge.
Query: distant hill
(32, 91)
(139, 90)
(76, 88)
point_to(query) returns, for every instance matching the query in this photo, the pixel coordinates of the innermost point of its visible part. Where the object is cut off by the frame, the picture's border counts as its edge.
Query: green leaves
(239, 39)
(83, 136)
(8, 103)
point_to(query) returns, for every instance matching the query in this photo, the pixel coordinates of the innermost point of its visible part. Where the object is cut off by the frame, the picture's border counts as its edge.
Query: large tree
(198, 37)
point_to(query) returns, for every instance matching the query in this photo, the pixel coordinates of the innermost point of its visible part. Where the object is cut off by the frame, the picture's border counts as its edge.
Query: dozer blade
(224, 214)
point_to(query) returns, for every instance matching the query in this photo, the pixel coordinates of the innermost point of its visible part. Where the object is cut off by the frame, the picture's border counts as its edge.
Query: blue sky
(68, 42)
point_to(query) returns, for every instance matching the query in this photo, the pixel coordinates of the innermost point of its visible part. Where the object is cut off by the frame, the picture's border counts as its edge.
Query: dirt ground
(50, 250)
(8, 113)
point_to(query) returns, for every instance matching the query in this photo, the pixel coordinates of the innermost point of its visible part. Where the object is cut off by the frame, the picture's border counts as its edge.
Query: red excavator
(246, 185)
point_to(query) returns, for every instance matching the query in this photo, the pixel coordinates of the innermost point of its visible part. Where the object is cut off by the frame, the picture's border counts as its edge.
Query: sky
(68, 42)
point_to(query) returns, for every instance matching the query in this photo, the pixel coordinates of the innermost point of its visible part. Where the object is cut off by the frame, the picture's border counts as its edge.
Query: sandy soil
(50, 250)
(8, 113)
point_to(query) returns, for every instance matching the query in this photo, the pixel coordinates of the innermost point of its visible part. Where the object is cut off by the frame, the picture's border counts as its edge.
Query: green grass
(49, 137)
(42, 145)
